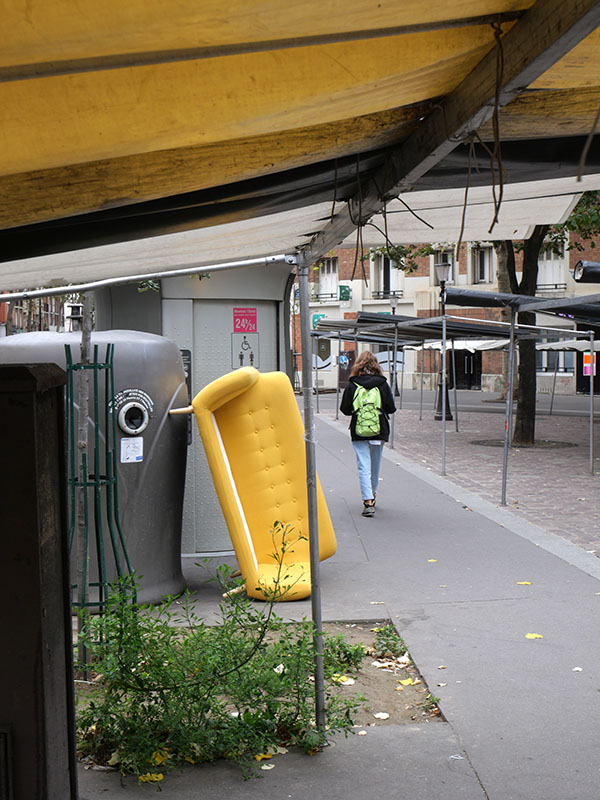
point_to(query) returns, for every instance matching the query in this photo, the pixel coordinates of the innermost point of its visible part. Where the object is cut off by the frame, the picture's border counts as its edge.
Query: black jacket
(387, 404)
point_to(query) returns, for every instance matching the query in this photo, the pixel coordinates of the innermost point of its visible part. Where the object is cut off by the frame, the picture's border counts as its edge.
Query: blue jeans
(368, 461)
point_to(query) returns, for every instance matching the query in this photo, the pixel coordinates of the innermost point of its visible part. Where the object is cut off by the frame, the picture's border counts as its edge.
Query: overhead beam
(543, 35)
(544, 114)
(20, 72)
(67, 191)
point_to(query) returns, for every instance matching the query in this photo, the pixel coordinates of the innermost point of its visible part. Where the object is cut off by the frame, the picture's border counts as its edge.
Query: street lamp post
(443, 410)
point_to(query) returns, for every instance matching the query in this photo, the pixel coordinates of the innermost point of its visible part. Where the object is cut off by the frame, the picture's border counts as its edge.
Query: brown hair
(366, 364)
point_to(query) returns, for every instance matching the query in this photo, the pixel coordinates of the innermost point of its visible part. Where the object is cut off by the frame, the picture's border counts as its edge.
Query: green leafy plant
(388, 642)
(430, 702)
(402, 256)
(339, 654)
(171, 689)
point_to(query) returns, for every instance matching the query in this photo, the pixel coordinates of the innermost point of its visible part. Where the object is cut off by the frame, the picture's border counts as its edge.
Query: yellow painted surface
(253, 437)
(579, 68)
(40, 30)
(48, 194)
(71, 119)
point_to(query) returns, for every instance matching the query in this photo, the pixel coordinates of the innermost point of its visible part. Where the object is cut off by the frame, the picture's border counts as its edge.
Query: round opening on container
(133, 418)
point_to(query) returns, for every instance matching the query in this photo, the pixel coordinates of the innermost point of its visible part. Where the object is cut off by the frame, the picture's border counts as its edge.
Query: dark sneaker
(368, 508)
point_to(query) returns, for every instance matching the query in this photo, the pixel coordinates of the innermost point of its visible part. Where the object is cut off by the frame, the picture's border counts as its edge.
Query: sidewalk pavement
(446, 566)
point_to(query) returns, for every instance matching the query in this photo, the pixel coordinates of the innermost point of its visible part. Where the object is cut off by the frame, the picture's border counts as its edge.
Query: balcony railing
(386, 294)
(551, 288)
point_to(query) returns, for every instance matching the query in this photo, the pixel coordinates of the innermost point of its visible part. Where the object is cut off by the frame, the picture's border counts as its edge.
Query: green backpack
(366, 404)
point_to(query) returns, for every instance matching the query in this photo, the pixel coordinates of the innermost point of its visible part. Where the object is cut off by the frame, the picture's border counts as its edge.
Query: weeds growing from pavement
(171, 689)
(388, 642)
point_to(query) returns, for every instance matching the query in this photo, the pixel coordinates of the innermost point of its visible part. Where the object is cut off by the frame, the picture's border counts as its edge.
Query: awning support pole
(592, 370)
(422, 378)
(311, 489)
(393, 379)
(554, 384)
(402, 375)
(316, 363)
(337, 393)
(444, 384)
(509, 405)
(454, 383)
(91, 286)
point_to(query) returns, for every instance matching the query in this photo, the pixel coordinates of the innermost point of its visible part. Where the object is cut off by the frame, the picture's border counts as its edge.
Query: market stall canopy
(583, 309)
(472, 345)
(581, 345)
(413, 330)
(146, 122)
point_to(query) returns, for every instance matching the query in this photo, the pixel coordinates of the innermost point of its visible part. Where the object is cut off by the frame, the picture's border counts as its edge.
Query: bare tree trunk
(10, 313)
(524, 431)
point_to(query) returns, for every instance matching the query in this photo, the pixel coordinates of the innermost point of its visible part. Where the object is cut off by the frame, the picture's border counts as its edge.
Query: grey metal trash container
(151, 445)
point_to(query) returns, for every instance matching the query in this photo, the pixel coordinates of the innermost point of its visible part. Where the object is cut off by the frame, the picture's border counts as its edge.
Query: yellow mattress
(253, 436)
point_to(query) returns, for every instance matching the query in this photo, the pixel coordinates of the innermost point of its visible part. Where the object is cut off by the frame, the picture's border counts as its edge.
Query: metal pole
(454, 382)
(311, 490)
(554, 384)
(395, 367)
(422, 368)
(443, 386)
(337, 393)
(197, 269)
(402, 375)
(509, 405)
(592, 365)
(316, 363)
(393, 380)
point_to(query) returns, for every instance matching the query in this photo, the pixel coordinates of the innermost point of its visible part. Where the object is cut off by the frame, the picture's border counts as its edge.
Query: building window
(552, 268)
(555, 360)
(552, 251)
(328, 279)
(385, 279)
(482, 261)
(440, 256)
(380, 277)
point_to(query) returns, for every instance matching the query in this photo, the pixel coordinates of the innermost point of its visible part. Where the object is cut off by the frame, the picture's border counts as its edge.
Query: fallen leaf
(523, 583)
(533, 636)
(442, 666)
(337, 678)
(399, 689)
(262, 756)
(406, 682)
(577, 669)
(442, 684)
(361, 733)
(381, 715)
(431, 560)
(348, 682)
(377, 603)
(267, 766)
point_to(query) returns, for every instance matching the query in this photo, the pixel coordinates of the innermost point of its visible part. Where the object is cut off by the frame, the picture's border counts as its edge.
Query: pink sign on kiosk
(244, 320)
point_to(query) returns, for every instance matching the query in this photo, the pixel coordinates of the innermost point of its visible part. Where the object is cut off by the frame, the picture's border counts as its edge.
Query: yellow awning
(122, 121)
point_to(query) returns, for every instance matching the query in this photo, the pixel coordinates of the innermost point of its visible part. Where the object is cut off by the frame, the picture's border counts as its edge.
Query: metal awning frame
(367, 327)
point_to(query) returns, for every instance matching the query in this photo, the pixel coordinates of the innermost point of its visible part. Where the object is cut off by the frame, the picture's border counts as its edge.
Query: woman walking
(368, 400)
